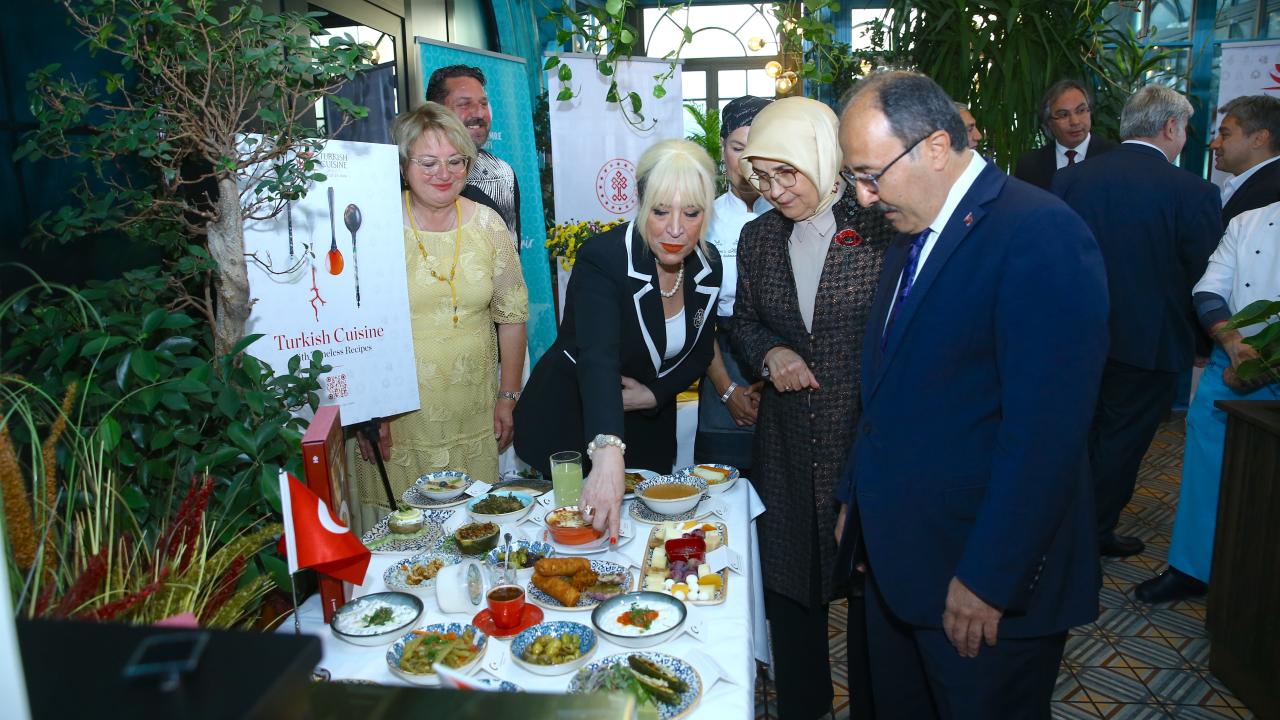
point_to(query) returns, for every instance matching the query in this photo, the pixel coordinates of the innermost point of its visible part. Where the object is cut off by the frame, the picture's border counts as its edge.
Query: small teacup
(506, 602)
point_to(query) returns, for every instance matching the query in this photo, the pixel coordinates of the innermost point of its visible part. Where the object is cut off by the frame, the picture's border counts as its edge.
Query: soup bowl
(671, 494)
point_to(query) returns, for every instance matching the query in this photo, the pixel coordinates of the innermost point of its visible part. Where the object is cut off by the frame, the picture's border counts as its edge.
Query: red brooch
(848, 238)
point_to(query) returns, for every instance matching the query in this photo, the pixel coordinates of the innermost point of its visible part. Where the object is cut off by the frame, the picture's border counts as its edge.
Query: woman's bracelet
(728, 393)
(602, 440)
(508, 395)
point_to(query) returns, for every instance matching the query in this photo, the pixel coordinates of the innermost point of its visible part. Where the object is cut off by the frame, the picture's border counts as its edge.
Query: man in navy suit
(1066, 116)
(1247, 146)
(1156, 225)
(970, 474)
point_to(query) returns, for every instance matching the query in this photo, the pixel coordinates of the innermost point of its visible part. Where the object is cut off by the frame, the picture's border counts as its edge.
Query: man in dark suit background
(980, 363)
(1156, 225)
(1066, 117)
(1247, 145)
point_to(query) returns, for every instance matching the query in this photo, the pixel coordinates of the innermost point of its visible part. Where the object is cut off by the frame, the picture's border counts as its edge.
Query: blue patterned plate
(537, 547)
(557, 629)
(716, 487)
(380, 539)
(397, 576)
(396, 651)
(499, 685)
(601, 567)
(590, 678)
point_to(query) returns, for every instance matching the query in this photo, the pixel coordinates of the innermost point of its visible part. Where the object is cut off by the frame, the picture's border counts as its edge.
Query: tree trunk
(226, 246)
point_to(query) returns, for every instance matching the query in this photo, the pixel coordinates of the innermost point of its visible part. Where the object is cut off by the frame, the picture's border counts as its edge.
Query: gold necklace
(457, 250)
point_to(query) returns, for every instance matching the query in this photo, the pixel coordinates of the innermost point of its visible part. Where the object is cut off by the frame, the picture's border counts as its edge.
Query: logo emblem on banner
(616, 186)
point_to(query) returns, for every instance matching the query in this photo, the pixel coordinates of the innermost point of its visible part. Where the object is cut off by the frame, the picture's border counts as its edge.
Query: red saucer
(483, 620)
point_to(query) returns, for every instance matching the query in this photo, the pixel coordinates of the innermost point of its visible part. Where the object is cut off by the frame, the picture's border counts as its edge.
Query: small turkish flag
(313, 539)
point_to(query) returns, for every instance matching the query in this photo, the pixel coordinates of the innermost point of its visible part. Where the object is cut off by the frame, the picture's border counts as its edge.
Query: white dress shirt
(954, 196)
(1234, 182)
(1246, 266)
(1060, 151)
(728, 216)
(1144, 142)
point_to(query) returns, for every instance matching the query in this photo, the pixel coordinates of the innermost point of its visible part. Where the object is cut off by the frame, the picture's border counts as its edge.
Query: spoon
(351, 218)
(335, 256)
(506, 574)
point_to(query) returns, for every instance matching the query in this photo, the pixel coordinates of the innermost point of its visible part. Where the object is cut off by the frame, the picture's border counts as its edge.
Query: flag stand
(293, 595)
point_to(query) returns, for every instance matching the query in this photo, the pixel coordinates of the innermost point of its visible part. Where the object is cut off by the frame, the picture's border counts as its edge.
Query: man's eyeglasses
(1064, 114)
(785, 177)
(456, 165)
(871, 181)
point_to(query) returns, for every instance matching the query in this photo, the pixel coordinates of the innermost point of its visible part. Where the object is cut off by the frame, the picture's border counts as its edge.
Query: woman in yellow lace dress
(467, 300)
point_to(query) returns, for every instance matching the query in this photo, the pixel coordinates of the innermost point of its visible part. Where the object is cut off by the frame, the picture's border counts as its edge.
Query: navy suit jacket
(971, 455)
(1157, 225)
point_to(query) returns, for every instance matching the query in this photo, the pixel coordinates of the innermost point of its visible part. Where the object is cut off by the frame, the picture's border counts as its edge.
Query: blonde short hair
(432, 118)
(676, 167)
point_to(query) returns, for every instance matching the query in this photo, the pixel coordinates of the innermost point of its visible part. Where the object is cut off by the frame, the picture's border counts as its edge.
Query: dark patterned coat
(802, 438)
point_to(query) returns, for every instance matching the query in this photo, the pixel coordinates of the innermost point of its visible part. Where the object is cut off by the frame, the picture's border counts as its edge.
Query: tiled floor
(1136, 660)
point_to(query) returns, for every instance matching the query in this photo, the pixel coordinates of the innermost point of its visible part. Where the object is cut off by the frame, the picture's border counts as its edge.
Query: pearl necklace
(674, 288)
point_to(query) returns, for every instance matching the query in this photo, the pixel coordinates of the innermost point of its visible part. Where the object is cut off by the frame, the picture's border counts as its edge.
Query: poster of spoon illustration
(349, 303)
(351, 218)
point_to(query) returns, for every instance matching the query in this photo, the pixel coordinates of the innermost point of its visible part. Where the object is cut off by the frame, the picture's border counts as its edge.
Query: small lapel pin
(697, 318)
(968, 219)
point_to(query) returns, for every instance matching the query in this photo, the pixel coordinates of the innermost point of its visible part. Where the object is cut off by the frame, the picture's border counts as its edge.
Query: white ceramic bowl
(672, 507)
(616, 605)
(443, 485)
(713, 488)
(363, 605)
(557, 628)
(502, 518)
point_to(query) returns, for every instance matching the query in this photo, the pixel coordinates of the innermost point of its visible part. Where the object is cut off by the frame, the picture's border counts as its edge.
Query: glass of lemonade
(566, 477)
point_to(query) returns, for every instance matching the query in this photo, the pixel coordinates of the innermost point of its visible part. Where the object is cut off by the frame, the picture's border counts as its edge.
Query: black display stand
(74, 668)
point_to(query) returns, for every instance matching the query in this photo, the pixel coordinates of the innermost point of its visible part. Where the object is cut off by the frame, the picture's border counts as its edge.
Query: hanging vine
(801, 33)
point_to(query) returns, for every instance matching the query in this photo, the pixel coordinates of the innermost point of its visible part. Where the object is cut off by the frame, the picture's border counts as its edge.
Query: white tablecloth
(735, 633)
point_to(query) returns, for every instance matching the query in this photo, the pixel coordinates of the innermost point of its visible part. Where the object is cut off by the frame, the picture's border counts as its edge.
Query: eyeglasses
(785, 177)
(456, 165)
(1064, 114)
(871, 181)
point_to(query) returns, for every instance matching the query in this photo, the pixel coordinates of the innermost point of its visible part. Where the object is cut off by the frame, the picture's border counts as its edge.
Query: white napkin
(710, 669)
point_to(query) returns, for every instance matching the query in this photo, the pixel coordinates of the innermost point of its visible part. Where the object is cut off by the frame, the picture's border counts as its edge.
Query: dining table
(721, 641)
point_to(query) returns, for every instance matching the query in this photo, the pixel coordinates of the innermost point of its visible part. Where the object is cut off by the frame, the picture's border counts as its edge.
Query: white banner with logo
(595, 149)
(328, 273)
(1247, 68)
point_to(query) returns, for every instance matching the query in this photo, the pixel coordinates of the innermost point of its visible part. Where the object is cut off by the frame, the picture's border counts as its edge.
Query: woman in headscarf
(807, 273)
(727, 398)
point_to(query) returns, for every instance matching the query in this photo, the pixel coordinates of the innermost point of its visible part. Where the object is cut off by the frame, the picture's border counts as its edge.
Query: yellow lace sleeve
(510, 301)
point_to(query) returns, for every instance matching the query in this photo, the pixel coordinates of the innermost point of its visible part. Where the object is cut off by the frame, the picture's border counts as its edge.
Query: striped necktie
(904, 285)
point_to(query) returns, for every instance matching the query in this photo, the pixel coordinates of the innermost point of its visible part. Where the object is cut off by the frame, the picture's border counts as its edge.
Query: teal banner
(511, 138)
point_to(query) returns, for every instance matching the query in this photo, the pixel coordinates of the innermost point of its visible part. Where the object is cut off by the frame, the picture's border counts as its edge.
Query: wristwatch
(602, 440)
(508, 395)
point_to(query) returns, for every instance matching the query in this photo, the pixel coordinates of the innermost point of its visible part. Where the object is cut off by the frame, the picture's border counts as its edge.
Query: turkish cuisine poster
(327, 274)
